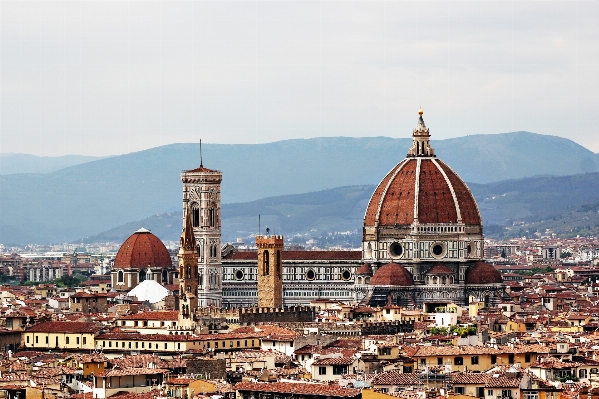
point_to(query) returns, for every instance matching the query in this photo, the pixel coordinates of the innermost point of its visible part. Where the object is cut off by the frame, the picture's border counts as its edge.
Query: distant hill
(82, 200)
(568, 205)
(26, 163)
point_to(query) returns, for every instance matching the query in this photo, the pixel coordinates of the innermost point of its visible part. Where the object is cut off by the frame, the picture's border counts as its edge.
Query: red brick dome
(431, 193)
(392, 274)
(483, 273)
(364, 270)
(142, 249)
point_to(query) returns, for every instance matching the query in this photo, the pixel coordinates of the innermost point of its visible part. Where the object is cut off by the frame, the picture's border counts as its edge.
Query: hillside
(25, 163)
(82, 200)
(567, 205)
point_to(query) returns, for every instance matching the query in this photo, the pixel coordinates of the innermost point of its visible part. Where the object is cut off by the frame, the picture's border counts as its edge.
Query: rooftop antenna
(201, 160)
(259, 224)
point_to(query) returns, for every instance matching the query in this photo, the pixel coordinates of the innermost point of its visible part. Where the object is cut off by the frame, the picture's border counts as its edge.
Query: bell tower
(188, 273)
(270, 271)
(201, 198)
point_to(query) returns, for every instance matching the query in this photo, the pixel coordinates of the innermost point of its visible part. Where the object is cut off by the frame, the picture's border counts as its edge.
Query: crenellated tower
(270, 271)
(201, 199)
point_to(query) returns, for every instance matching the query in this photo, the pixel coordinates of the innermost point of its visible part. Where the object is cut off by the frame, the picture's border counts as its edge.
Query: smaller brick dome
(364, 270)
(392, 274)
(440, 269)
(142, 249)
(483, 273)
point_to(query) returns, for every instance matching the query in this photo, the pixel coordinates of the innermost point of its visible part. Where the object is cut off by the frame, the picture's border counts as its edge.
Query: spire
(187, 237)
(201, 160)
(421, 146)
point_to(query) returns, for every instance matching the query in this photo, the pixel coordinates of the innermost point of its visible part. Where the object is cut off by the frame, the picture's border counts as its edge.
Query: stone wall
(215, 368)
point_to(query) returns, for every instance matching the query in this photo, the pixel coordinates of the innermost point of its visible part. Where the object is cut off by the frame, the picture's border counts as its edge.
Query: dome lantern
(421, 146)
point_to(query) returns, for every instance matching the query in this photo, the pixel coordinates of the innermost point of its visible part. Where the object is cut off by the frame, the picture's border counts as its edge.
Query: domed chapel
(423, 238)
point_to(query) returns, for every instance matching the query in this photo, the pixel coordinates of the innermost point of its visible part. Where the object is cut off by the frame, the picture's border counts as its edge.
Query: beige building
(61, 335)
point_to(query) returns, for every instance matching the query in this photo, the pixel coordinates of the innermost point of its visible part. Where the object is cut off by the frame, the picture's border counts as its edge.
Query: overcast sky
(101, 78)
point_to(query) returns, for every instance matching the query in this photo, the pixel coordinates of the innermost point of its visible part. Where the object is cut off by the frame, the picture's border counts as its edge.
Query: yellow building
(61, 335)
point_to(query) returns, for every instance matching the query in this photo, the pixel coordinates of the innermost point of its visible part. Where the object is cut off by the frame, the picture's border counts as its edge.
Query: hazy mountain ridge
(27, 163)
(509, 209)
(81, 200)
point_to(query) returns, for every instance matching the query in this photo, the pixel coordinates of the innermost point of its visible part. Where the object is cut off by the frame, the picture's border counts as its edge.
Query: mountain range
(84, 199)
(568, 205)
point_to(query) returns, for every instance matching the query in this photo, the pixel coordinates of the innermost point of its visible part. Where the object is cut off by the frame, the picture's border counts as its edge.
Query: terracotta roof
(66, 327)
(201, 169)
(440, 269)
(392, 274)
(142, 249)
(482, 273)
(298, 388)
(364, 270)
(161, 315)
(333, 361)
(130, 371)
(396, 377)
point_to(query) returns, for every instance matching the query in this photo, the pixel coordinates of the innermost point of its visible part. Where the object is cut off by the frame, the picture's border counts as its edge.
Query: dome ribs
(397, 205)
(372, 211)
(468, 206)
(435, 201)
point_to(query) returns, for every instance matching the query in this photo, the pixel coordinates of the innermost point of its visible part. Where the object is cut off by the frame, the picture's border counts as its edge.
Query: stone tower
(188, 273)
(270, 271)
(201, 196)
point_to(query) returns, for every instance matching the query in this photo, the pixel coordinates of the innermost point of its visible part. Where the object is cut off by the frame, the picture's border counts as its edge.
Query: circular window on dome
(346, 275)
(310, 275)
(396, 250)
(438, 250)
(239, 274)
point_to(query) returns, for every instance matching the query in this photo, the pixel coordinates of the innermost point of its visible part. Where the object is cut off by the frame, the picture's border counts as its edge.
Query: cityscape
(240, 200)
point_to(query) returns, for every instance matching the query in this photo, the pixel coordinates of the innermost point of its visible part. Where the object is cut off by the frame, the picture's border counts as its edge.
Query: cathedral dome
(141, 250)
(483, 273)
(421, 189)
(392, 274)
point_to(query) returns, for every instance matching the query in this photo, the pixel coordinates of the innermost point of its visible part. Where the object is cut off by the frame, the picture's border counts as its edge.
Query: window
(84, 340)
(66, 340)
(322, 370)
(510, 358)
(120, 277)
(385, 351)
(530, 395)
(490, 392)
(423, 362)
(216, 344)
(460, 390)
(506, 393)
(582, 373)
(46, 340)
(474, 360)
(439, 361)
(339, 369)
(266, 264)
(458, 361)
(28, 339)
(77, 340)
(527, 358)
(493, 359)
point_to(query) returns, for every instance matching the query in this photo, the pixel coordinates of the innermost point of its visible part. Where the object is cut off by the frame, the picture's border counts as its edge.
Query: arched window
(266, 264)
(164, 276)
(195, 215)
(142, 275)
(188, 272)
(120, 277)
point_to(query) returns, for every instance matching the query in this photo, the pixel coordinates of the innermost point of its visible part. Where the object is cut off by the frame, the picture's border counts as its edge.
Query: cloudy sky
(101, 78)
